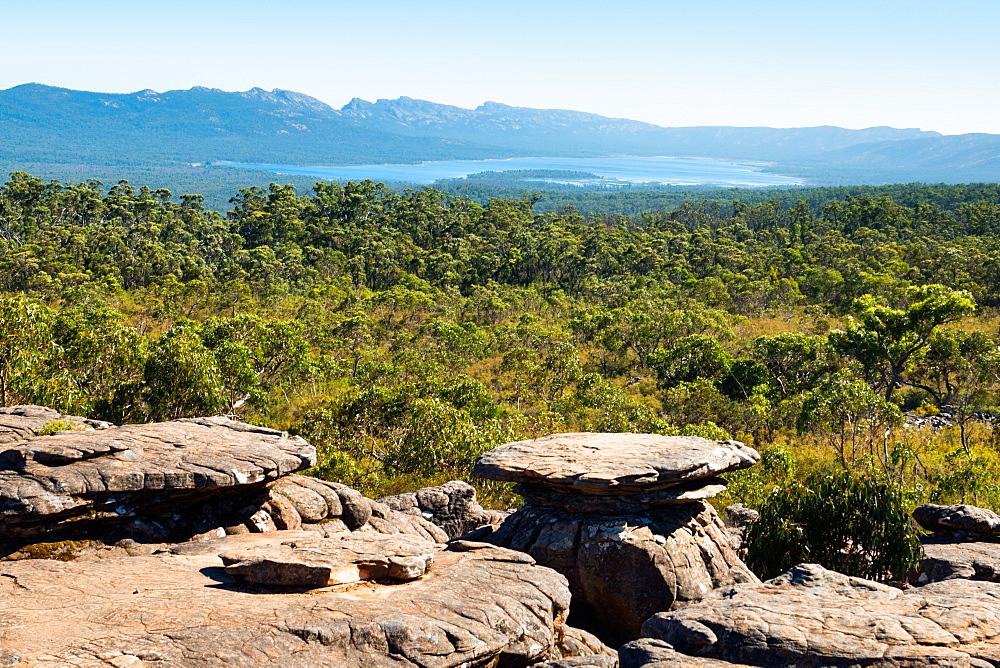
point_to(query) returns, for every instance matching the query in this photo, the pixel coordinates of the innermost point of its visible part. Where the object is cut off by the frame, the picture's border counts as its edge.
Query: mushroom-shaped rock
(613, 464)
(814, 617)
(478, 606)
(622, 517)
(340, 559)
(72, 481)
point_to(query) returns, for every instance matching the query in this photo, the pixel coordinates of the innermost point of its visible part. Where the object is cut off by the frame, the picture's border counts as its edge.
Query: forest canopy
(404, 333)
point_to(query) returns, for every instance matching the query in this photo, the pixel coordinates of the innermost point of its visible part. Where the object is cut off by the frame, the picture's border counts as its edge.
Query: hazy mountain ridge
(47, 125)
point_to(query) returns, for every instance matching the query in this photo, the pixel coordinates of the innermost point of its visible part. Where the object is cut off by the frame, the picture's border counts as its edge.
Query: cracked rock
(814, 617)
(180, 607)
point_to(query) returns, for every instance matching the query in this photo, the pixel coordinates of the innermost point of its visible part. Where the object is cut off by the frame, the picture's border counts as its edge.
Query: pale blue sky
(855, 64)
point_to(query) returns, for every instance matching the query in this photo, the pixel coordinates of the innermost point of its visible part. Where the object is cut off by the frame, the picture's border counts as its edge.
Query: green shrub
(846, 522)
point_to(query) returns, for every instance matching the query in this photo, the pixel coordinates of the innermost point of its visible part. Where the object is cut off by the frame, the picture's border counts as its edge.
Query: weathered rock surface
(328, 508)
(592, 661)
(958, 520)
(340, 559)
(452, 506)
(814, 617)
(737, 518)
(624, 568)
(138, 475)
(622, 516)
(613, 464)
(650, 653)
(477, 604)
(947, 560)
(20, 422)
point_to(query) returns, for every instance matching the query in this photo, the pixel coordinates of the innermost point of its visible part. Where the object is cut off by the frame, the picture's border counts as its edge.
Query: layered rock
(451, 506)
(814, 617)
(170, 481)
(20, 422)
(477, 605)
(650, 653)
(621, 516)
(137, 477)
(965, 544)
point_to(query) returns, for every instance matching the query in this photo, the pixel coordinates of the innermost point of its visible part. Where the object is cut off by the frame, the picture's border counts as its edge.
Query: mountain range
(43, 125)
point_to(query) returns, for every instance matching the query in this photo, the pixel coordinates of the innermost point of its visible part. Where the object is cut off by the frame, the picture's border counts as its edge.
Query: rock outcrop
(452, 506)
(183, 607)
(814, 617)
(965, 521)
(620, 515)
(965, 544)
(20, 422)
(650, 653)
(138, 478)
(170, 481)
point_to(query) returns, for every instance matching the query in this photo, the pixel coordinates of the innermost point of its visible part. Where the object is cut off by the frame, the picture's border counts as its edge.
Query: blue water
(630, 169)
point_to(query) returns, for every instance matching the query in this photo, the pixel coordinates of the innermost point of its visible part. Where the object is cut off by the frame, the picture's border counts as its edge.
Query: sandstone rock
(356, 508)
(339, 559)
(71, 482)
(309, 505)
(814, 617)
(613, 464)
(622, 517)
(20, 422)
(591, 661)
(650, 653)
(958, 519)
(737, 518)
(624, 568)
(286, 517)
(476, 607)
(451, 506)
(577, 643)
(947, 560)
(561, 499)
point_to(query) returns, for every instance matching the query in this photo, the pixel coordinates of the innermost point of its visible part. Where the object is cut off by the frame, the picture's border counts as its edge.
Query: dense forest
(404, 333)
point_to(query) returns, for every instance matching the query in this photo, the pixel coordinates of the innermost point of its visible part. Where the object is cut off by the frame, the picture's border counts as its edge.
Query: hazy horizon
(774, 63)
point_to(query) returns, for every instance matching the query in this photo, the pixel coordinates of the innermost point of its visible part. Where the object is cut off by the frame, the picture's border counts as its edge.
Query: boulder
(946, 559)
(622, 516)
(624, 568)
(958, 520)
(479, 605)
(650, 653)
(452, 506)
(814, 617)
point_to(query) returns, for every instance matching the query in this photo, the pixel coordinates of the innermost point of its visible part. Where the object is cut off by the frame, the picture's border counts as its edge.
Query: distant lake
(631, 169)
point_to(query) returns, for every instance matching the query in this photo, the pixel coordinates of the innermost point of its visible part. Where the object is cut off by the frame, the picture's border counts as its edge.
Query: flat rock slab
(114, 472)
(612, 464)
(479, 603)
(958, 519)
(814, 617)
(20, 422)
(339, 559)
(949, 560)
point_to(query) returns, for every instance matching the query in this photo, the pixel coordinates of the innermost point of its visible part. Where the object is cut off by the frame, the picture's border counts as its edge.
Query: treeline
(405, 333)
